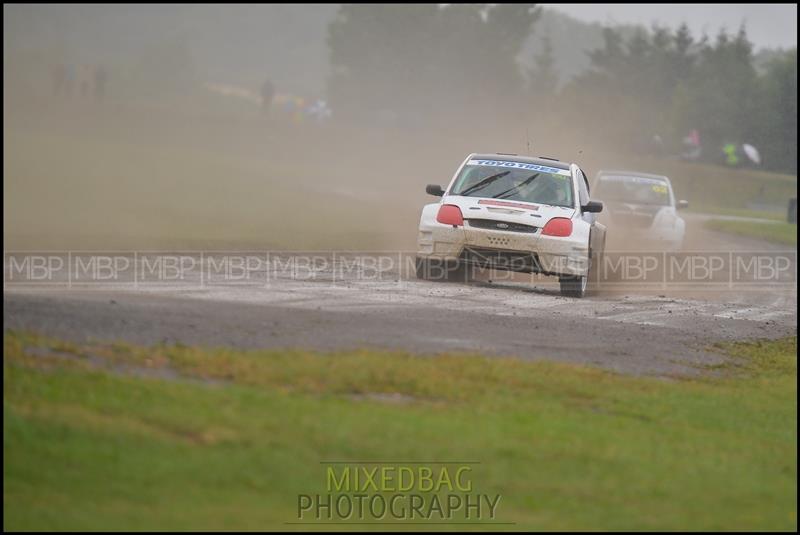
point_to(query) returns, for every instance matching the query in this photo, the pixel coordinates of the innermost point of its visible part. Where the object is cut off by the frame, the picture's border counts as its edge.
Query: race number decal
(660, 189)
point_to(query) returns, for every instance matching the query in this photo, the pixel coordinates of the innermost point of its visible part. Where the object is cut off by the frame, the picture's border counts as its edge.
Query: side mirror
(434, 189)
(682, 205)
(593, 207)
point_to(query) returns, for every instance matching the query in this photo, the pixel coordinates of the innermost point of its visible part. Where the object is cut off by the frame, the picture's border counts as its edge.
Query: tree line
(423, 64)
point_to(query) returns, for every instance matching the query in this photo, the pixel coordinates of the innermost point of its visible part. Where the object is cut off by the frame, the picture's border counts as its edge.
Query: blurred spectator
(100, 78)
(319, 111)
(293, 106)
(657, 145)
(731, 156)
(85, 80)
(267, 94)
(69, 79)
(59, 79)
(692, 149)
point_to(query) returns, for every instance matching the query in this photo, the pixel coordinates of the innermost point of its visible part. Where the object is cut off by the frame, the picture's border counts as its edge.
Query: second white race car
(643, 207)
(513, 213)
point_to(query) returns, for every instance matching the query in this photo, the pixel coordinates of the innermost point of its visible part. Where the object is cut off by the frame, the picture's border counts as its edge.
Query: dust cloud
(83, 174)
(147, 150)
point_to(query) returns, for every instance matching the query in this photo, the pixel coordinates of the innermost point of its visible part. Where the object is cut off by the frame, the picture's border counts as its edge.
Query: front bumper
(510, 251)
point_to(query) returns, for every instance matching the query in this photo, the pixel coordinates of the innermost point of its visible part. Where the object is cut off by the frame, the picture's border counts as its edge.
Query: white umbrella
(752, 153)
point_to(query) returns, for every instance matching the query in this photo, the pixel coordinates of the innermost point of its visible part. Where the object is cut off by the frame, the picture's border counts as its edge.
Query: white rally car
(644, 207)
(515, 213)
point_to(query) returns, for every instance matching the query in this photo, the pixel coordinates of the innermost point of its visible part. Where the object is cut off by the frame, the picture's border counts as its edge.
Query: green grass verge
(739, 212)
(122, 437)
(784, 233)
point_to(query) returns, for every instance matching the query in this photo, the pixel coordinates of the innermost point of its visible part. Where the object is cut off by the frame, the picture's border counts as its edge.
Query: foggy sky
(768, 25)
(242, 44)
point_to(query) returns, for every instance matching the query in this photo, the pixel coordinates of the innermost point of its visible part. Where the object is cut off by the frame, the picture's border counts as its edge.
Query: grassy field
(110, 436)
(119, 178)
(783, 232)
(738, 212)
(100, 180)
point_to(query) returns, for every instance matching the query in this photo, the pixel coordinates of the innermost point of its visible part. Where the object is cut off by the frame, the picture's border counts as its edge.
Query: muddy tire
(458, 272)
(574, 286)
(595, 270)
(422, 269)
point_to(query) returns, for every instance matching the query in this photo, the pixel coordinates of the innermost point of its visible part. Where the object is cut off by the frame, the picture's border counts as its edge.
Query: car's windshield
(632, 189)
(517, 181)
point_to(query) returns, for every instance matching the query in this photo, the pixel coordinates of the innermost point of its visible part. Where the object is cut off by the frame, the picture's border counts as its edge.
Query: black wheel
(458, 272)
(595, 268)
(442, 270)
(574, 286)
(422, 268)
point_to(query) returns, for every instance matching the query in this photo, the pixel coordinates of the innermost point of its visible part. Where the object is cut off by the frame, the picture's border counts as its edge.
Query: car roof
(632, 174)
(517, 158)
